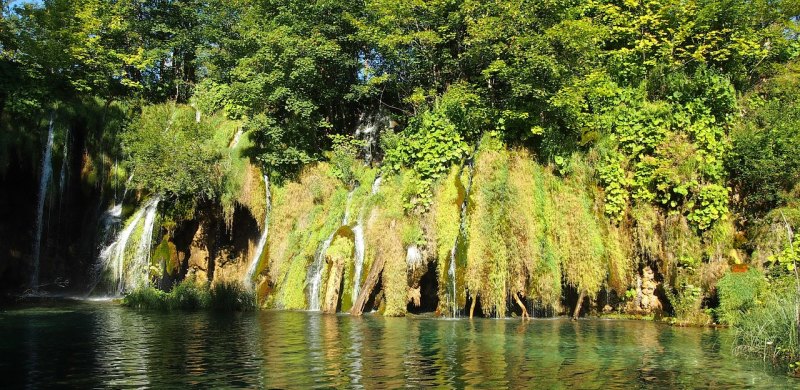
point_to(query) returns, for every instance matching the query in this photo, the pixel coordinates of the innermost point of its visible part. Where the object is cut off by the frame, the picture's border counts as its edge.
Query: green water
(87, 345)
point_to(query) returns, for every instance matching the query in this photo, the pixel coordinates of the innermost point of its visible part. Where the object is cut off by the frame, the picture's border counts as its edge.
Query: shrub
(190, 295)
(738, 293)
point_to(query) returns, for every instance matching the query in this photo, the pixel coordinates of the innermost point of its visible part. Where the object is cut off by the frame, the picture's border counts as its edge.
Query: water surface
(100, 344)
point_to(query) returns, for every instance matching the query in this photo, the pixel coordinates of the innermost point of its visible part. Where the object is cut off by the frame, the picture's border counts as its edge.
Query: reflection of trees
(122, 348)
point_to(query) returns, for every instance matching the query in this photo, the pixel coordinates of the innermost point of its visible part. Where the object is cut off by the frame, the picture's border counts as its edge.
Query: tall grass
(190, 295)
(769, 331)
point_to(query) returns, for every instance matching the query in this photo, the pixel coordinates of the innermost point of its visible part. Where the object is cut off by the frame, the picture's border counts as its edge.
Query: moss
(546, 275)
(304, 214)
(619, 257)
(488, 254)
(577, 234)
(340, 252)
(527, 229)
(446, 210)
(166, 253)
(383, 235)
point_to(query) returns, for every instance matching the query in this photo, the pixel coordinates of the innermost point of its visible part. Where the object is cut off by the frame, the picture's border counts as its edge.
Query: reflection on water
(102, 345)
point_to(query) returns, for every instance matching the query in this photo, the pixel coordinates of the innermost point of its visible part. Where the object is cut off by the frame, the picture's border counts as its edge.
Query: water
(44, 182)
(99, 344)
(360, 245)
(62, 177)
(262, 241)
(452, 293)
(113, 257)
(318, 266)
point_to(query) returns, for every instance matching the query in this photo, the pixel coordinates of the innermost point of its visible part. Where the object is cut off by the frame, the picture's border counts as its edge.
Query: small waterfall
(369, 131)
(360, 245)
(315, 272)
(262, 242)
(236, 138)
(376, 185)
(462, 232)
(112, 257)
(44, 181)
(141, 266)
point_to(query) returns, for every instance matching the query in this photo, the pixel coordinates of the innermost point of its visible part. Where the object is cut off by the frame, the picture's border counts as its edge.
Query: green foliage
(769, 329)
(738, 293)
(429, 146)
(713, 206)
(169, 153)
(763, 165)
(231, 296)
(343, 157)
(612, 176)
(191, 295)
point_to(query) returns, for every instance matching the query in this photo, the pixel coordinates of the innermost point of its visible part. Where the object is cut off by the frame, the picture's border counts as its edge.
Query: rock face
(198, 263)
(646, 301)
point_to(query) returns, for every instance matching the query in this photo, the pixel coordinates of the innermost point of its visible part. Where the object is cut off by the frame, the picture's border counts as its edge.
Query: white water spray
(112, 258)
(360, 245)
(44, 181)
(262, 241)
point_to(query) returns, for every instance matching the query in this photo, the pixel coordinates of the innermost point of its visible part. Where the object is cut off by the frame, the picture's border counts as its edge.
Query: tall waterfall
(315, 272)
(360, 245)
(44, 181)
(112, 257)
(262, 242)
(62, 177)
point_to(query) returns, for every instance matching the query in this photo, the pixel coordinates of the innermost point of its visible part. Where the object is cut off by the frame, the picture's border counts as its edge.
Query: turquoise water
(100, 344)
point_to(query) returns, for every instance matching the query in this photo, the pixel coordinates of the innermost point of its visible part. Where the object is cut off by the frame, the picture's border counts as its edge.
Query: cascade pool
(100, 344)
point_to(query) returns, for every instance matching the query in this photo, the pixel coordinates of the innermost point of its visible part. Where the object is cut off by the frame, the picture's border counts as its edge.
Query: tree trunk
(522, 306)
(369, 285)
(577, 311)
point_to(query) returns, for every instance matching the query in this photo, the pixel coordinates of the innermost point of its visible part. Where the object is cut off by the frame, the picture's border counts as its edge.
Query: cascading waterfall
(360, 245)
(451, 271)
(262, 241)
(315, 272)
(112, 257)
(44, 181)
(141, 265)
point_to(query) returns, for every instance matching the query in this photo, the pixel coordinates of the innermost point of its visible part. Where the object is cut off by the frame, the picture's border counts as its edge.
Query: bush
(738, 293)
(231, 296)
(190, 295)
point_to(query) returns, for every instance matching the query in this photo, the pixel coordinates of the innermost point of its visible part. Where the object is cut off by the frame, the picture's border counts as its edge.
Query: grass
(769, 330)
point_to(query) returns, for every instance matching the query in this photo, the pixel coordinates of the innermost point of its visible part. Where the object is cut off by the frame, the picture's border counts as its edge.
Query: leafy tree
(170, 154)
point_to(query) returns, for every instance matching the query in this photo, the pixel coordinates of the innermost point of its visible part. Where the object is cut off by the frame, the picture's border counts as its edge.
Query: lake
(100, 344)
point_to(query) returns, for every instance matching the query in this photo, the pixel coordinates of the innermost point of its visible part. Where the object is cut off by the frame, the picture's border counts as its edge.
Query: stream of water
(100, 344)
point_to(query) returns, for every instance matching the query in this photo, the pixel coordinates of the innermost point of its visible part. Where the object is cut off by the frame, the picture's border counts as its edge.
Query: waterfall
(462, 231)
(141, 266)
(368, 132)
(360, 245)
(262, 242)
(62, 178)
(315, 272)
(236, 138)
(44, 180)
(112, 257)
